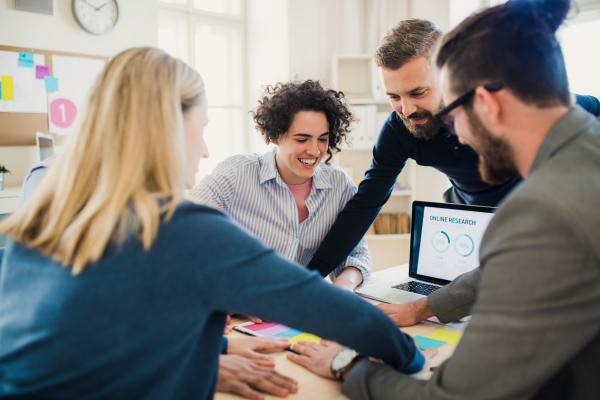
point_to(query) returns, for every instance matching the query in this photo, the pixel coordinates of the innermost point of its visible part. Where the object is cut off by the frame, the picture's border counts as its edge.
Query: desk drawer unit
(9, 198)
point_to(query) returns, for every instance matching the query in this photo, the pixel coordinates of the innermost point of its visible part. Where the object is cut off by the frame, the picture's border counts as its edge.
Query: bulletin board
(42, 91)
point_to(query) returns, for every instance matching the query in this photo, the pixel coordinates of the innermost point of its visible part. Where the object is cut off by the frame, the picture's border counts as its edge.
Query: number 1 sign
(62, 113)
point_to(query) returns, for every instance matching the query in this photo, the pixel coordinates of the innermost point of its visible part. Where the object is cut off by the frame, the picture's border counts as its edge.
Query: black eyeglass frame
(463, 99)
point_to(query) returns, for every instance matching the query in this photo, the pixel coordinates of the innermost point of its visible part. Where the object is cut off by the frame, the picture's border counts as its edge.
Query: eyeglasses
(444, 116)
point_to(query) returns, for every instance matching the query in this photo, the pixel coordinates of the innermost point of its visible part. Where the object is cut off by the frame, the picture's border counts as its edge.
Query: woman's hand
(249, 346)
(349, 279)
(228, 328)
(243, 376)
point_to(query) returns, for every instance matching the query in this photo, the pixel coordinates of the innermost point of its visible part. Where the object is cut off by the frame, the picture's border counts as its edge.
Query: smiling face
(415, 95)
(194, 121)
(302, 147)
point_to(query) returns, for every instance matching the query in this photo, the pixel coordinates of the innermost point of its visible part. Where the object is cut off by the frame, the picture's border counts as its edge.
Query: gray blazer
(535, 331)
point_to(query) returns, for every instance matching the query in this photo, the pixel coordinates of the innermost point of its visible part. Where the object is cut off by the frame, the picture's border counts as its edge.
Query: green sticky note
(446, 336)
(427, 343)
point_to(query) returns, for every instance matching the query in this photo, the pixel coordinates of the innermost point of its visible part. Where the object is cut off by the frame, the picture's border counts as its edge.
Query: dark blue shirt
(148, 324)
(394, 147)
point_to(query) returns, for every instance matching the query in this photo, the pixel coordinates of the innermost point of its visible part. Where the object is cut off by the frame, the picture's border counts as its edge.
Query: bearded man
(411, 81)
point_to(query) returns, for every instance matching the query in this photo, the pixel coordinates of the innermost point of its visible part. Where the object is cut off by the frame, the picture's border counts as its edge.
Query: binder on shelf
(364, 134)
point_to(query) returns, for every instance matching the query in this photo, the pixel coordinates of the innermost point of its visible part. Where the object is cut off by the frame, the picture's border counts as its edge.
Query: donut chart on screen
(464, 245)
(440, 241)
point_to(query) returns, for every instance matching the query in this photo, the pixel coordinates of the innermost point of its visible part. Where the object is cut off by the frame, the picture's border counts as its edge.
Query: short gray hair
(406, 41)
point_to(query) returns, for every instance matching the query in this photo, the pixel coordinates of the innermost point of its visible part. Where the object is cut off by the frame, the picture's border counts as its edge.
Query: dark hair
(513, 44)
(406, 41)
(277, 109)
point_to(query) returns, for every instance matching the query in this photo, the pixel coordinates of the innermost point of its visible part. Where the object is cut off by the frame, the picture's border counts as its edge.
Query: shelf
(401, 193)
(13, 191)
(388, 237)
(383, 102)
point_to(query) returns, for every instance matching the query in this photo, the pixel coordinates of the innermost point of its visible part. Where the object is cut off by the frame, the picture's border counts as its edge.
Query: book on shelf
(391, 224)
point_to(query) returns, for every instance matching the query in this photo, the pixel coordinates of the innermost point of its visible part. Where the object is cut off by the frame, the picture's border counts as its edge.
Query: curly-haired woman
(291, 196)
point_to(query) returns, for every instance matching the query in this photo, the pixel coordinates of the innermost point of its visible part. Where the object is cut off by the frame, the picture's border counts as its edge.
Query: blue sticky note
(0, 91)
(290, 333)
(427, 343)
(51, 84)
(25, 59)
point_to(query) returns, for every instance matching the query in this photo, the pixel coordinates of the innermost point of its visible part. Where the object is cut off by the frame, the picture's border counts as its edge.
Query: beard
(496, 158)
(426, 130)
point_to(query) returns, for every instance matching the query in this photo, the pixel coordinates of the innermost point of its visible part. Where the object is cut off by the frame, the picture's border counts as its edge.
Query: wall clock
(96, 16)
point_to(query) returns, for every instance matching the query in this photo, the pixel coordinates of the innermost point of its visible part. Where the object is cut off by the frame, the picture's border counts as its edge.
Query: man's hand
(249, 347)
(407, 314)
(241, 376)
(349, 279)
(316, 357)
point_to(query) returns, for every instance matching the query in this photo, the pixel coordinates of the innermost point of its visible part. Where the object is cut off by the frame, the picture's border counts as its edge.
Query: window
(209, 36)
(582, 60)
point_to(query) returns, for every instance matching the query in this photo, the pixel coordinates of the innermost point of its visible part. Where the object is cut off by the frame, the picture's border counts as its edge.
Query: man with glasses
(535, 331)
(410, 78)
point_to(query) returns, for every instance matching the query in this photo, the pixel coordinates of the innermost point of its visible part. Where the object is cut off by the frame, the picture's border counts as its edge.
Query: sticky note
(446, 336)
(41, 71)
(8, 92)
(290, 333)
(25, 59)
(307, 337)
(51, 84)
(427, 343)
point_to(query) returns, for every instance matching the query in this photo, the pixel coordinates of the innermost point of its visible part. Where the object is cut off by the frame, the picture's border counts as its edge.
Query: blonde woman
(112, 287)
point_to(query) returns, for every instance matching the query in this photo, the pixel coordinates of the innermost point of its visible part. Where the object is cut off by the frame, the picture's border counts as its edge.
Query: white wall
(137, 26)
(267, 55)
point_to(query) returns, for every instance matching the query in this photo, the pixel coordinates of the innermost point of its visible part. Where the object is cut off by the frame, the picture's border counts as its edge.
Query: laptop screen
(445, 239)
(45, 145)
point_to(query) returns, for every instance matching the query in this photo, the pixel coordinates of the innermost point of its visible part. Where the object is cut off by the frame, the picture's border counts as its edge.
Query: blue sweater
(148, 325)
(394, 147)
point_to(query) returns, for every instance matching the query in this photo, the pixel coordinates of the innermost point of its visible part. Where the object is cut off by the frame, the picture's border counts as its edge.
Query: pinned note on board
(25, 59)
(8, 92)
(41, 71)
(51, 84)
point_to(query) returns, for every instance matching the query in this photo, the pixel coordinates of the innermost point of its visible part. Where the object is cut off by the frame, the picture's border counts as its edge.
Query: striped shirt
(250, 190)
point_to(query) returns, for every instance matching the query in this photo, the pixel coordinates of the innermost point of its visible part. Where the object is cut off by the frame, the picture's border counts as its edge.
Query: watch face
(96, 16)
(343, 358)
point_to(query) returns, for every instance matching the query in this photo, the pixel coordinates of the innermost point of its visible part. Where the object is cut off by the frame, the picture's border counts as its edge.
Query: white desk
(9, 198)
(313, 387)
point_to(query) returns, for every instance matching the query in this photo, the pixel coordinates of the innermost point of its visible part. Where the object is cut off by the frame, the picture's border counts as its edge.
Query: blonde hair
(121, 170)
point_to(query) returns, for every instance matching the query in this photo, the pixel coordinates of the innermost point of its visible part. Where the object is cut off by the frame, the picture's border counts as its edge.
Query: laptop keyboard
(417, 287)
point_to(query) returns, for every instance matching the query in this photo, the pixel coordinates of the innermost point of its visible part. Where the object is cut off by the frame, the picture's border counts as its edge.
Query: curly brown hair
(276, 111)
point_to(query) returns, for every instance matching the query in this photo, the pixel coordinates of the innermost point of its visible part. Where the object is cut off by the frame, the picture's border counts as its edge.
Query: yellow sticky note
(307, 337)
(8, 92)
(446, 336)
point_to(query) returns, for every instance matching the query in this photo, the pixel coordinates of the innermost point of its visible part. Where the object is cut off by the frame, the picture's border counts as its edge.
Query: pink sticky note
(259, 327)
(41, 71)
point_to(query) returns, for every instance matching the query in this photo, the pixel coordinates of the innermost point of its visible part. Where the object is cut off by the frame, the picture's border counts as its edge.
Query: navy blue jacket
(394, 147)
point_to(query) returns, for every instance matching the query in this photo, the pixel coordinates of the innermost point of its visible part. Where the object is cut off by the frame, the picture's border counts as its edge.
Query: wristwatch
(343, 361)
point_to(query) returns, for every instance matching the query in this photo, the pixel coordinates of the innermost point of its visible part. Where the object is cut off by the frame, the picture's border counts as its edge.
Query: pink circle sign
(62, 113)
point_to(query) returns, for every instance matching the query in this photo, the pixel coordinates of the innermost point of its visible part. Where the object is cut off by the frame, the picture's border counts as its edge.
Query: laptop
(45, 144)
(444, 243)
